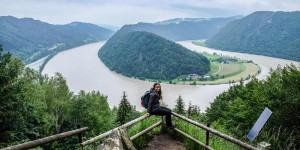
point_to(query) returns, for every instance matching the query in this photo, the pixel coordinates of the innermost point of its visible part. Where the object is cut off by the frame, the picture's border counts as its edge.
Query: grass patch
(241, 71)
(228, 70)
(140, 126)
(211, 56)
(199, 43)
(230, 73)
(233, 69)
(214, 68)
(200, 134)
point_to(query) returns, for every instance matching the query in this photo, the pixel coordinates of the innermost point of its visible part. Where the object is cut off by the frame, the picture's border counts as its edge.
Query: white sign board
(259, 124)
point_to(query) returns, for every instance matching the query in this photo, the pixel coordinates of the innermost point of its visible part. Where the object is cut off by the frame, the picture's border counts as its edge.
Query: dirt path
(164, 142)
(220, 68)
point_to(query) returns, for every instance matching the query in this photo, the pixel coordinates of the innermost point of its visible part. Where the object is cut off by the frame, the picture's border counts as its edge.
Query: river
(83, 70)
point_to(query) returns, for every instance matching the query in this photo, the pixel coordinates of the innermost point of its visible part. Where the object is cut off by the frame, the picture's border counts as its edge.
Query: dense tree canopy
(275, 34)
(242, 104)
(146, 55)
(35, 106)
(92, 110)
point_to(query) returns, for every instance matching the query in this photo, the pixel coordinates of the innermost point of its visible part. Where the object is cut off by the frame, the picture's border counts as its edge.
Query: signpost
(259, 124)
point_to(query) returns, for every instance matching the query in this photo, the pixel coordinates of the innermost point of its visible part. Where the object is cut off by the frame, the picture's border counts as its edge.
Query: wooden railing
(99, 137)
(210, 130)
(78, 132)
(49, 139)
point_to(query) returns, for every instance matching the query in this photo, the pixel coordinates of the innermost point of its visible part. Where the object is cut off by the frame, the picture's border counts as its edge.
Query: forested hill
(32, 39)
(183, 29)
(275, 34)
(237, 109)
(145, 55)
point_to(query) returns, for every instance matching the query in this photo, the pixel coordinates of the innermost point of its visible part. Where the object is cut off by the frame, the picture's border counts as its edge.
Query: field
(228, 70)
(214, 68)
(250, 70)
(223, 69)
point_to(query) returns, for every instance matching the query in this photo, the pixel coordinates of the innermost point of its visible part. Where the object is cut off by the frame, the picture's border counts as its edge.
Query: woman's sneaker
(171, 127)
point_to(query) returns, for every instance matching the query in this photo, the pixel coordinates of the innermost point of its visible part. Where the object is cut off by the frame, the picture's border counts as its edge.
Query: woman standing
(154, 107)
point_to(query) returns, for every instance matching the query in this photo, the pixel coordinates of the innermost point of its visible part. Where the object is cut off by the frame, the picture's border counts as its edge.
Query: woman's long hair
(160, 92)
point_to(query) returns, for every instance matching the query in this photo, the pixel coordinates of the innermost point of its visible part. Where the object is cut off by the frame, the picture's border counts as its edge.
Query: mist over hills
(275, 34)
(148, 56)
(183, 28)
(32, 39)
(110, 27)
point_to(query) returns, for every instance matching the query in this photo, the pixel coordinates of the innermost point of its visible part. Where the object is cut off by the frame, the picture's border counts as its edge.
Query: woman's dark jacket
(153, 102)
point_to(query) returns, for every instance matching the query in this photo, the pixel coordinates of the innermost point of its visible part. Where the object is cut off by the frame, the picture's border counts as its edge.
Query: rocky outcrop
(116, 139)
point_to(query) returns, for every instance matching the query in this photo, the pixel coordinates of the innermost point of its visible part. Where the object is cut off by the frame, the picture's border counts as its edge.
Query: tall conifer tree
(179, 107)
(124, 109)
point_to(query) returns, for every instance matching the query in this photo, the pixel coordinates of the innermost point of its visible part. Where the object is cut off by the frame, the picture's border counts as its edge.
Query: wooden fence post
(207, 136)
(79, 134)
(163, 127)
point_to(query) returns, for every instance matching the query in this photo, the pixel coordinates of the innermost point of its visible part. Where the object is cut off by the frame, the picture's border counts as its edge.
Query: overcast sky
(120, 12)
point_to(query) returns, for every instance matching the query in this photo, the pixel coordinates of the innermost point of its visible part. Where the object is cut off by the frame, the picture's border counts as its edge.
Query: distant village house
(193, 76)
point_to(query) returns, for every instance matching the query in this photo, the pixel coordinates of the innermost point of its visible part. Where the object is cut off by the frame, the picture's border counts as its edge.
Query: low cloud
(120, 12)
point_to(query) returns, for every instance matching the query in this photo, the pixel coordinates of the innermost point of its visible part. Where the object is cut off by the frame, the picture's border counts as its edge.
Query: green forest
(35, 106)
(237, 109)
(275, 34)
(147, 56)
(31, 39)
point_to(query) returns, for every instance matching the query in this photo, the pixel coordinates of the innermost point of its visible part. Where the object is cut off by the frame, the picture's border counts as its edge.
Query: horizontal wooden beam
(193, 139)
(46, 140)
(126, 125)
(99, 137)
(224, 136)
(145, 131)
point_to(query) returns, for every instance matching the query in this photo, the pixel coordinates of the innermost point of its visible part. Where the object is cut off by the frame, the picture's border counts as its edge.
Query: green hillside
(275, 34)
(146, 55)
(32, 39)
(237, 109)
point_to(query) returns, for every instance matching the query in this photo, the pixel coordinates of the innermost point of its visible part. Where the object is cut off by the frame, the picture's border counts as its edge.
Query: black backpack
(145, 99)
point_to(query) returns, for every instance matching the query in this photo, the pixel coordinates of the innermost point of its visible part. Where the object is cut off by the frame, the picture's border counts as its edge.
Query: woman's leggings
(163, 111)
